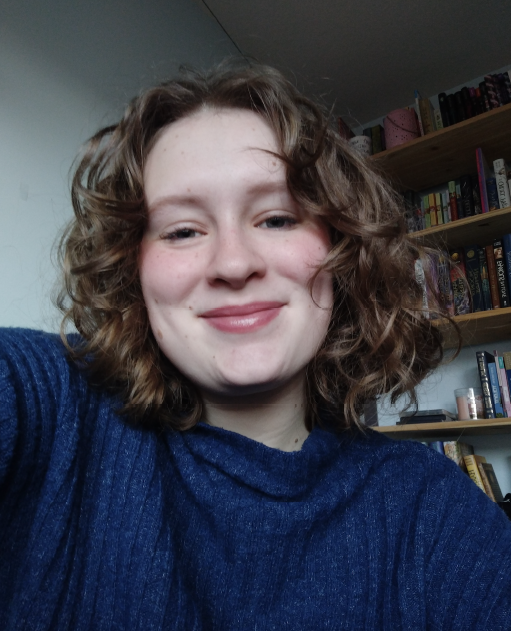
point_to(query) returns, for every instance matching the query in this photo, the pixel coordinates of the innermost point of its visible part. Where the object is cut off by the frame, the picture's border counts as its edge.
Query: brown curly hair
(379, 341)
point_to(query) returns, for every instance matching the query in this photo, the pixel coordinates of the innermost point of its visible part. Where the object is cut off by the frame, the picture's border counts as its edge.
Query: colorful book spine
(445, 207)
(474, 277)
(492, 193)
(432, 209)
(459, 284)
(499, 167)
(485, 282)
(439, 209)
(504, 388)
(500, 267)
(473, 469)
(492, 277)
(507, 365)
(495, 388)
(484, 378)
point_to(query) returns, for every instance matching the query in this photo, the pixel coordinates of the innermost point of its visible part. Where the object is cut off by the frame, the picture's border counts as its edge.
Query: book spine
(418, 112)
(474, 277)
(491, 91)
(500, 267)
(481, 174)
(504, 388)
(502, 184)
(459, 284)
(484, 378)
(506, 246)
(452, 200)
(492, 277)
(486, 482)
(439, 209)
(467, 196)
(437, 115)
(453, 112)
(473, 471)
(427, 216)
(507, 365)
(485, 283)
(444, 283)
(426, 116)
(495, 389)
(432, 209)
(460, 109)
(444, 109)
(493, 194)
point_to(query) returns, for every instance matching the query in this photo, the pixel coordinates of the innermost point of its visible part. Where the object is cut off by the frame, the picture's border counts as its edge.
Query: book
(492, 277)
(507, 365)
(504, 388)
(437, 445)
(473, 470)
(427, 116)
(459, 201)
(439, 209)
(467, 196)
(500, 268)
(492, 479)
(444, 109)
(456, 450)
(484, 378)
(506, 247)
(474, 277)
(495, 388)
(427, 217)
(485, 282)
(483, 174)
(445, 295)
(452, 200)
(453, 112)
(437, 115)
(432, 209)
(492, 194)
(459, 284)
(500, 169)
(491, 92)
(418, 112)
(485, 481)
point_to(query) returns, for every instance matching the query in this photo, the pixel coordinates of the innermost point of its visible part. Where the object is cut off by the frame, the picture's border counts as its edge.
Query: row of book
(495, 376)
(491, 93)
(480, 471)
(470, 195)
(467, 280)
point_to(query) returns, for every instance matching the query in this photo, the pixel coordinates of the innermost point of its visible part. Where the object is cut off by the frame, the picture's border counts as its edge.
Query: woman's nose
(235, 259)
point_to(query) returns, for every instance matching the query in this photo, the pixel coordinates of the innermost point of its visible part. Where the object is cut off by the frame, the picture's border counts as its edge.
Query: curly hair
(379, 339)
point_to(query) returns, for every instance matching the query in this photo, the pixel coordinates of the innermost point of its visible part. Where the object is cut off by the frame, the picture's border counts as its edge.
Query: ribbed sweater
(106, 526)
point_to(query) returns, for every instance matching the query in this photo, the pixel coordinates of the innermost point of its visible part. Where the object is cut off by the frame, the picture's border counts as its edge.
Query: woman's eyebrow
(172, 200)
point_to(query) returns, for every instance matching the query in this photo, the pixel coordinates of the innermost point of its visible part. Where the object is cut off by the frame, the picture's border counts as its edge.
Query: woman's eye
(278, 222)
(181, 235)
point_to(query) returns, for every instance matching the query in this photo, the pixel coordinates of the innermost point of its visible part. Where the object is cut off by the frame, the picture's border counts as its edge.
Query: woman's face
(227, 257)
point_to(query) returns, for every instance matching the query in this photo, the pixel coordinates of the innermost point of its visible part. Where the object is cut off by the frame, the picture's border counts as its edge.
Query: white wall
(67, 68)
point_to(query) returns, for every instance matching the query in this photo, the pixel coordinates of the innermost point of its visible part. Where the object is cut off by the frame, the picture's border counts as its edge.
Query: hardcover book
(500, 169)
(467, 196)
(459, 285)
(485, 481)
(492, 478)
(483, 174)
(500, 268)
(504, 389)
(473, 469)
(474, 277)
(492, 277)
(484, 377)
(506, 245)
(485, 282)
(456, 450)
(495, 388)
(452, 200)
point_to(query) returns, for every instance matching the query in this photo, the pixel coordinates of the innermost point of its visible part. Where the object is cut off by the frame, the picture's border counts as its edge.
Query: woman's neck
(275, 418)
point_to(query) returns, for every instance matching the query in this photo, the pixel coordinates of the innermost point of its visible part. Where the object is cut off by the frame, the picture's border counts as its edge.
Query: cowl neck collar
(219, 454)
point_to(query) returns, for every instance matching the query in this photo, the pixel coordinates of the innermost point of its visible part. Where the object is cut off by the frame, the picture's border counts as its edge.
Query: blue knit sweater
(103, 526)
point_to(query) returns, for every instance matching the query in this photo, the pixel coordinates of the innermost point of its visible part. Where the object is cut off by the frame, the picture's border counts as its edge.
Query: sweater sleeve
(34, 386)
(468, 555)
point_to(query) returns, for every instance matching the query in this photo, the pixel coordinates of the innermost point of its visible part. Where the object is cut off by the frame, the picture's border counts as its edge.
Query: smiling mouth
(243, 318)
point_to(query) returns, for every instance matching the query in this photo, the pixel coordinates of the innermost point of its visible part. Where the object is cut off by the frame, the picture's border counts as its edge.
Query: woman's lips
(243, 318)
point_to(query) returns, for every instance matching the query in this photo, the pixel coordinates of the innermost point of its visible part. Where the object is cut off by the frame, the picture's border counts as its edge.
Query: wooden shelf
(453, 429)
(480, 230)
(448, 153)
(483, 327)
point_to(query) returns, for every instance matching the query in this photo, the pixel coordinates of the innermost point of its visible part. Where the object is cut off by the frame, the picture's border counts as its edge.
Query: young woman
(194, 459)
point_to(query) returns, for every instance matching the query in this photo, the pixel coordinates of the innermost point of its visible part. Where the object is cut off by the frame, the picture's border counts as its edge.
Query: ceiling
(365, 58)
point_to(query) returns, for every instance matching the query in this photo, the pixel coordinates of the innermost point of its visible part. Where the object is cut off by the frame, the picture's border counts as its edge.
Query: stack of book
(495, 376)
(480, 471)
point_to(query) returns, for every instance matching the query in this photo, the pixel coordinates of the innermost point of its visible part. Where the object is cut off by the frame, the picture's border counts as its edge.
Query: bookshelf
(427, 162)
(448, 153)
(453, 430)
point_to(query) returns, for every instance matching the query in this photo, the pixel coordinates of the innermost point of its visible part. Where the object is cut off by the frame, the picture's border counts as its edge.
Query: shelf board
(480, 230)
(482, 327)
(453, 429)
(448, 153)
